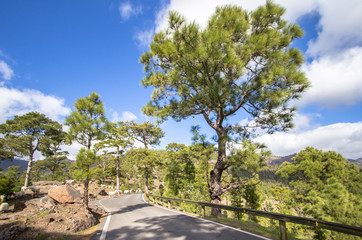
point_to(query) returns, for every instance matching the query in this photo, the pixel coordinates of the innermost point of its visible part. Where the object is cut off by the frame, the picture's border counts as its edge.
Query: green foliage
(85, 127)
(104, 167)
(241, 62)
(86, 121)
(180, 169)
(197, 71)
(6, 186)
(84, 160)
(249, 158)
(145, 159)
(6, 148)
(14, 176)
(146, 133)
(29, 133)
(327, 187)
(117, 137)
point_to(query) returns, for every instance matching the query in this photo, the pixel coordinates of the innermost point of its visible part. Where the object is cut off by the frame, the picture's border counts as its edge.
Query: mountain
(278, 160)
(4, 164)
(358, 162)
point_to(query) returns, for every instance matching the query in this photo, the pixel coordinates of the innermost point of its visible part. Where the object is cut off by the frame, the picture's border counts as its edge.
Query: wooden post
(283, 230)
(203, 211)
(169, 204)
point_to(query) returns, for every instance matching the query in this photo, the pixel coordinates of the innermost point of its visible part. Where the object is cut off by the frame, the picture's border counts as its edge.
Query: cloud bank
(18, 102)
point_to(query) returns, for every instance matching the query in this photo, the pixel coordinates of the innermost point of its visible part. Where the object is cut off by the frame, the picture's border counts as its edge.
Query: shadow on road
(131, 208)
(175, 227)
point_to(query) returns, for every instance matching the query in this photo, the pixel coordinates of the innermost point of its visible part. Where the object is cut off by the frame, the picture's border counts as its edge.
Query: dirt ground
(35, 222)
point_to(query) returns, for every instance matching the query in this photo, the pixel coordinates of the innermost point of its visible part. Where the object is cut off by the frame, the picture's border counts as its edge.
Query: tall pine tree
(85, 126)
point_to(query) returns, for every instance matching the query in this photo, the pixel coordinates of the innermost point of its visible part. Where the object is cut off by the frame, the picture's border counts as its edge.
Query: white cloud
(144, 38)
(126, 10)
(335, 80)
(6, 72)
(340, 27)
(126, 116)
(344, 138)
(200, 11)
(72, 149)
(18, 102)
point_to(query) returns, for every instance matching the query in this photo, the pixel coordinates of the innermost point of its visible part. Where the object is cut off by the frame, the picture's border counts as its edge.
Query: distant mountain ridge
(274, 161)
(278, 160)
(4, 164)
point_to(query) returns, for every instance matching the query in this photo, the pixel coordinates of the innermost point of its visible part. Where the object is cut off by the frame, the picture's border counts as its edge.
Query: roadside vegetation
(241, 63)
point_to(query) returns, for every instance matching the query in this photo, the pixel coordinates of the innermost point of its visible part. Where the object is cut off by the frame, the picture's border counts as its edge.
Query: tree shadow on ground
(175, 227)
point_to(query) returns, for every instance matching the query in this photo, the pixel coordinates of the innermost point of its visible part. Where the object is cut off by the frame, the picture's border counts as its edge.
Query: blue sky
(53, 52)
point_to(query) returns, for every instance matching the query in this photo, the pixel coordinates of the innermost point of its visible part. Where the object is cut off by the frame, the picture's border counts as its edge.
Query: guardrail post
(283, 230)
(203, 211)
(169, 204)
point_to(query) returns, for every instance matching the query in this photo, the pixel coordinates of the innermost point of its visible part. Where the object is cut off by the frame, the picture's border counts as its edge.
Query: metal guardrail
(283, 218)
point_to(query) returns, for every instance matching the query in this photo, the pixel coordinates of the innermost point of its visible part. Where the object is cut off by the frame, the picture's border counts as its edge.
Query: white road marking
(105, 227)
(205, 220)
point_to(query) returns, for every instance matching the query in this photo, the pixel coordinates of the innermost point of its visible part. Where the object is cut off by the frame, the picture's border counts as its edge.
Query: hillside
(278, 160)
(16, 162)
(358, 162)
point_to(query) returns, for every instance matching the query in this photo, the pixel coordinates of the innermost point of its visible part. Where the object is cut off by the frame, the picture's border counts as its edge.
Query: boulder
(4, 207)
(47, 183)
(103, 193)
(19, 206)
(46, 202)
(65, 194)
(82, 220)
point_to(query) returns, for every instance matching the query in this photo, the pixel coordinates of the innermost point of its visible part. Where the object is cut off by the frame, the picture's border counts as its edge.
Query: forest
(241, 62)
(317, 184)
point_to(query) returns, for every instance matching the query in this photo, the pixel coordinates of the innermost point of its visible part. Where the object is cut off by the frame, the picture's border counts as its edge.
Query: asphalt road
(132, 218)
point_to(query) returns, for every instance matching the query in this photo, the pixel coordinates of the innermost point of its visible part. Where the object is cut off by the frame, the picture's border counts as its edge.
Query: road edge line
(106, 225)
(206, 220)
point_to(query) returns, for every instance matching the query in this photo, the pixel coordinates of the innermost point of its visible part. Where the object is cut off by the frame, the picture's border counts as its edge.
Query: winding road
(132, 218)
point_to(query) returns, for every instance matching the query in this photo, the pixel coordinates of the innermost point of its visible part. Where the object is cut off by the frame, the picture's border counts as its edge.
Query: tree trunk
(146, 184)
(85, 194)
(117, 168)
(215, 175)
(28, 170)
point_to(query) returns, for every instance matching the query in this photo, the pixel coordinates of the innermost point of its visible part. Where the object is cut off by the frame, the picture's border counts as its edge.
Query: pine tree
(241, 62)
(85, 126)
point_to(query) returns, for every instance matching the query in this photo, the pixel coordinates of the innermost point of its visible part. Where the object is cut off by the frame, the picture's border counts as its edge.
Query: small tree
(146, 159)
(55, 162)
(241, 62)
(27, 133)
(85, 127)
(84, 160)
(180, 168)
(118, 137)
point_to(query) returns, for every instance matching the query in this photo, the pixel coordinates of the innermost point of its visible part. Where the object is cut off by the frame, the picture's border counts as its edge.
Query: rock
(65, 194)
(96, 208)
(103, 193)
(12, 232)
(46, 183)
(34, 191)
(4, 207)
(19, 206)
(82, 221)
(19, 194)
(46, 202)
